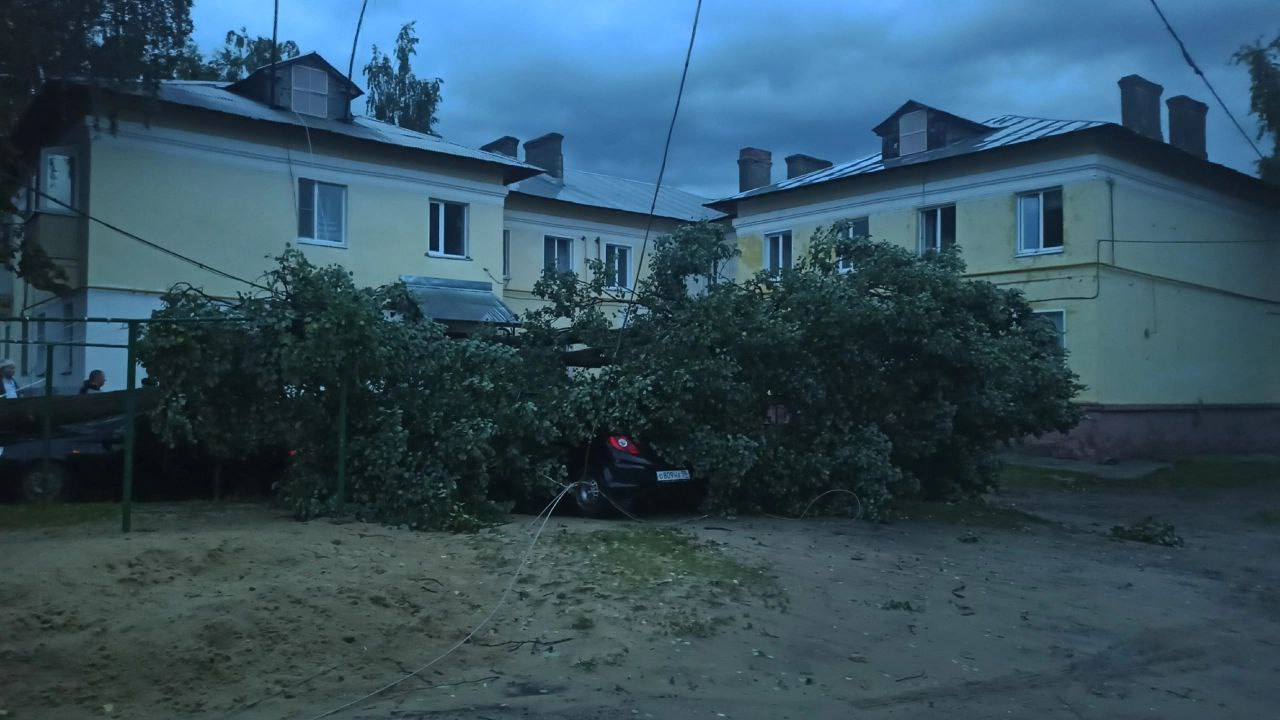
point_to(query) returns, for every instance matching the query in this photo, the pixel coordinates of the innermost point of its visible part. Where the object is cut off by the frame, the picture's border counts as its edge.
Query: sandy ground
(236, 611)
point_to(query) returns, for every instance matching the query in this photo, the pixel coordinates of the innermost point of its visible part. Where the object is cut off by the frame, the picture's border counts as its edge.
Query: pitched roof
(615, 193)
(890, 122)
(312, 57)
(1006, 130)
(215, 97)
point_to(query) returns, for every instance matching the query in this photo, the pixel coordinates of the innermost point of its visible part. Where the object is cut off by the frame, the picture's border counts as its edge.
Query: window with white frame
(557, 253)
(56, 180)
(310, 91)
(937, 228)
(778, 252)
(322, 212)
(506, 255)
(1057, 320)
(617, 262)
(857, 228)
(448, 230)
(1040, 222)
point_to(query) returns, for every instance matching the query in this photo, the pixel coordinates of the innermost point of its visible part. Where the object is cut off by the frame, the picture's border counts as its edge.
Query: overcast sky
(806, 76)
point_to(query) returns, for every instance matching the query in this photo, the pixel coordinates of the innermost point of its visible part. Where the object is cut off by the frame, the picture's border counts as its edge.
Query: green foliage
(1150, 531)
(897, 379)
(1263, 61)
(241, 54)
(438, 428)
(396, 95)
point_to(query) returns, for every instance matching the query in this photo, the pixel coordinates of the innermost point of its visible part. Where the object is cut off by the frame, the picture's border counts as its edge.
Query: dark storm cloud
(810, 77)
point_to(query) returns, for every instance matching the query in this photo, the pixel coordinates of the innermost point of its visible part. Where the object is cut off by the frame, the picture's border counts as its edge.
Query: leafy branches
(396, 95)
(1263, 61)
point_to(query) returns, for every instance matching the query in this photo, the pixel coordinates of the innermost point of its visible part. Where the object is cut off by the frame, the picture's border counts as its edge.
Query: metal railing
(133, 326)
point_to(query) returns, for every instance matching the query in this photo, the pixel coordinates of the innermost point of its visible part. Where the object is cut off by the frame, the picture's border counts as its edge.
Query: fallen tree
(898, 378)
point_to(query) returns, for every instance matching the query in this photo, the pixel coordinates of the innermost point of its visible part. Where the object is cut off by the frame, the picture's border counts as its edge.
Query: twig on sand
(911, 677)
(513, 645)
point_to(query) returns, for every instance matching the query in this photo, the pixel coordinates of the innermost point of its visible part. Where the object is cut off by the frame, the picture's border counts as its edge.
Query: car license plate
(672, 475)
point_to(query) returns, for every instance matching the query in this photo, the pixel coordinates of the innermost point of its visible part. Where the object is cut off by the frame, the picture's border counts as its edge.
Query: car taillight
(622, 443)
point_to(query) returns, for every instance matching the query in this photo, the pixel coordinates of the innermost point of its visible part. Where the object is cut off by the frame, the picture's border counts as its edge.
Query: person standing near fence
(94, 384)
(7, 369)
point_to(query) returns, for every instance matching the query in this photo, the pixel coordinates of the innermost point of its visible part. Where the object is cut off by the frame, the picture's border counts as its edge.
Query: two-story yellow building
(566, 218)
(206, 182)
(1159, 268)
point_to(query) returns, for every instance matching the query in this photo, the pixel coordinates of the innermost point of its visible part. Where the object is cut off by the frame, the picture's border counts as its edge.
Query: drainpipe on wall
(1111, 217)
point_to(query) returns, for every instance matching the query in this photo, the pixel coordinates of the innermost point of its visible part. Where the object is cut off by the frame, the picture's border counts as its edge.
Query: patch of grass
(1030, 477)
(684, 626)
(1211, 474)
(1266, 517)
(971, 513)
(28, 516)
(582, 622)
(1148, 530)
(640, 560)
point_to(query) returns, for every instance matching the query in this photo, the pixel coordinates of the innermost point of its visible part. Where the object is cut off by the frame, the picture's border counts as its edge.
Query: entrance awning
(458, 301)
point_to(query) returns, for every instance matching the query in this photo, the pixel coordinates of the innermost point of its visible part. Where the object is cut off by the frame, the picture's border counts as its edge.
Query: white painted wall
(114, 304)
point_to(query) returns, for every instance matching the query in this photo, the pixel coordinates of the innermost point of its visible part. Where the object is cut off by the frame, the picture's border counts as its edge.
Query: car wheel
(39, 486)
(587, 497)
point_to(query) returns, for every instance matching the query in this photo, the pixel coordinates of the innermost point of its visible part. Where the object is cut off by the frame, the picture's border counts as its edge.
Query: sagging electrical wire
(524, 560)
(133, 236)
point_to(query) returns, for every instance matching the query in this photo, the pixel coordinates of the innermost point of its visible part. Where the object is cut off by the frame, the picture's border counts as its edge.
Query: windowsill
(1033, 253)
(443, 256)
(321, 243)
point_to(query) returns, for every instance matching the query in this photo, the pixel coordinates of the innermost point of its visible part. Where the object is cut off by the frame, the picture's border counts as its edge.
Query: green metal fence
(133, 326)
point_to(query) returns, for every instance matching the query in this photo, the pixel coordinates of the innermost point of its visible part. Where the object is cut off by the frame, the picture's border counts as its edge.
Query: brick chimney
(1140, 106)
(505, 145)
(798, 165)
(1186, 125)
(547, 153)
(755, 168)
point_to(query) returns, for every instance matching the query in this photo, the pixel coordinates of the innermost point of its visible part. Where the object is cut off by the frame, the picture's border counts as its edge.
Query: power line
(144, 241)
(351, 66)
(1187, 56)
(545, 517)
(662, 169)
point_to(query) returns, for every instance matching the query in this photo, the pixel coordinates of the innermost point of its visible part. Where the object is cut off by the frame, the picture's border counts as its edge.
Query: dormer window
(310, 91)
(913, 132)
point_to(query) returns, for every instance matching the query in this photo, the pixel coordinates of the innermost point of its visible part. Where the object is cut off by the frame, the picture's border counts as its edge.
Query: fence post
(130, 415)
(46, 429)
(342, 443)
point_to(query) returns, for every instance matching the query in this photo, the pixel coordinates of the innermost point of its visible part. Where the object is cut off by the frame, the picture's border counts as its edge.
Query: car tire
(588, 499)
(41, 487)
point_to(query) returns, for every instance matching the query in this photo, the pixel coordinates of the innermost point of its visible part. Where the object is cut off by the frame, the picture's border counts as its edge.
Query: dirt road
(215, 612)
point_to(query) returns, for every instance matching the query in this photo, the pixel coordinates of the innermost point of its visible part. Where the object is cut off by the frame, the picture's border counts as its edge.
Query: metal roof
(214, 96)
(1008, 130)
(466, 301)
(587, 188)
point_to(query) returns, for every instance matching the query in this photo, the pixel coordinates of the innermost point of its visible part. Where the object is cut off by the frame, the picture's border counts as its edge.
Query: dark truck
(86, 440)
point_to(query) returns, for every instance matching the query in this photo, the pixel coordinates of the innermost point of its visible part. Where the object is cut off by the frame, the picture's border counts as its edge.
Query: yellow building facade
(1162, 270)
